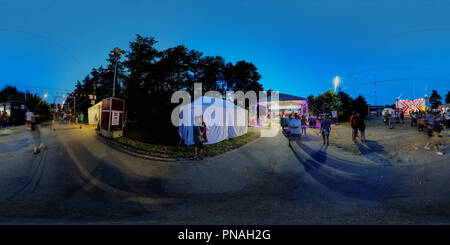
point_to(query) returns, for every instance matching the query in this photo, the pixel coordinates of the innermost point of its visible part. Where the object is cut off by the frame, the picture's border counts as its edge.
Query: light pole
(337, 84)
(116, 53)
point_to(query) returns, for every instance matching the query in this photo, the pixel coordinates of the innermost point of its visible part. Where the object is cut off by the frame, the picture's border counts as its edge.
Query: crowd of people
(35, 118)
(430, 124)
(358, 125)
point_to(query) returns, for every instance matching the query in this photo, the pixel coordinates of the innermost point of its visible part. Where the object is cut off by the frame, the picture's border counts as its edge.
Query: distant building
(15, 111)
(375, 110)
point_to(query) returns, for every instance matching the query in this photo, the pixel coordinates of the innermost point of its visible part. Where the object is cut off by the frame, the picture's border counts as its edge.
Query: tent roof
(206, 101)
(286, 97)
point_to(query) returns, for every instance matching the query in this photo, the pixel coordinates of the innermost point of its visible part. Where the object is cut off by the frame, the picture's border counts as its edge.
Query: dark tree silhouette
(148, 77)
(435, 100)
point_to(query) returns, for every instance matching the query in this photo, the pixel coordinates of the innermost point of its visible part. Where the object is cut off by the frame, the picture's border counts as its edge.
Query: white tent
(95, 112)
(223, 119)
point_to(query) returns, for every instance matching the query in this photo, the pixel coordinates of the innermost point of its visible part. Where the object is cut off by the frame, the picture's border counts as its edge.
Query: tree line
(340, 102)
(147, 78)
(345, 105)
(32, 101)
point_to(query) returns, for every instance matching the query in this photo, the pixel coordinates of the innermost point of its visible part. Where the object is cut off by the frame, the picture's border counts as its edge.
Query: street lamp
(337, 83)
(116, 53)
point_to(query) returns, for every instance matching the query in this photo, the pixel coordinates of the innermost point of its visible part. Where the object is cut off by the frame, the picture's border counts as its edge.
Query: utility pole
(116, 53)
(375, 87)
(114, 82)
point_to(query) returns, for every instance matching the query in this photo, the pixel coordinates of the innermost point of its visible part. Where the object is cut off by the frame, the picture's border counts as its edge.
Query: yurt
(224, 120)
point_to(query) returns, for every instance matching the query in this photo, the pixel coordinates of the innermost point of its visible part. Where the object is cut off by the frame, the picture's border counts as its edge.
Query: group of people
(431, 125)
(35, 118)
(428, 123)
(68, 117)
(296, 126)
(357, 124)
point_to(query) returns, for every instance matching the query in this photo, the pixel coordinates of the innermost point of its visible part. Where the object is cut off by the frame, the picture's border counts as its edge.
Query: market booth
(112, 117)
(95, 114)
(287, 105)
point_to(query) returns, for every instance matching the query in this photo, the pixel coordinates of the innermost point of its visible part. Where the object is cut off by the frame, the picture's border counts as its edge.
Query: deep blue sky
(298, 46)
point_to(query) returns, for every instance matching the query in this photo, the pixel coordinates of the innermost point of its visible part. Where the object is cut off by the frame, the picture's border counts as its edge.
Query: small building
(15, 112)
(375, 111)
(95, 114)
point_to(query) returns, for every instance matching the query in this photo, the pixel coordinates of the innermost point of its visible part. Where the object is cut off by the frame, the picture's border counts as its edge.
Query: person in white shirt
(295, 126)
(288, 125)
(28, 117)
(447, 118)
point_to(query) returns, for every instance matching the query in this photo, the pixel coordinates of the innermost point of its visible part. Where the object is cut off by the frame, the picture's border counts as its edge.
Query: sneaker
(439, 153)
(427, 148)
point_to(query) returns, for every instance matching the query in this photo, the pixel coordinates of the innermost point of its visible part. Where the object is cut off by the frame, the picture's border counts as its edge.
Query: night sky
(298, 46)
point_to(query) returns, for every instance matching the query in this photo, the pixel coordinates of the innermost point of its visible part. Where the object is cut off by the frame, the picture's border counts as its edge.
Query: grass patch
(176, 152)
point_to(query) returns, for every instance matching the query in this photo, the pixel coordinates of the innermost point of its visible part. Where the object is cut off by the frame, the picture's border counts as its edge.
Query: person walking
(304, 124)
(362, 128)
(354, 126)
(80, 118)
(447, 118)
(52, 121)
(28, 116)
(436, 121)
(198, 135)
(402, 117)
(204, 132)
(3, 119)
(413, 116)
(325, 129)
(289, 119)
(295, 126)
(37, 120)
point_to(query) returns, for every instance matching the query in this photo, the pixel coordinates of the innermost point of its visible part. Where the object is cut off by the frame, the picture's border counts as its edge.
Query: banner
(409, 106)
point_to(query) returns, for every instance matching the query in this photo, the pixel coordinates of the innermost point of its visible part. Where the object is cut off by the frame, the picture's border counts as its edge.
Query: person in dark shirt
(198, 138)
(39, 118)
(325, 128)
(304, 126)
(362, 128)
(354, 126)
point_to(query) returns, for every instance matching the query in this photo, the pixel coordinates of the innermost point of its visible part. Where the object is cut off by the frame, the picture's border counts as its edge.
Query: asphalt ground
(78, 179)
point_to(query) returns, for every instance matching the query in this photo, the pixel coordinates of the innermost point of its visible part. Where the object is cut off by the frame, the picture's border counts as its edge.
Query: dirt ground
(402, 145)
